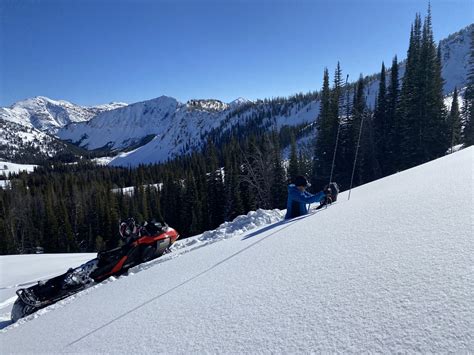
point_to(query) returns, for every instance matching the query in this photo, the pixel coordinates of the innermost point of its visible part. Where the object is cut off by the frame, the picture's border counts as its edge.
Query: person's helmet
(301, 181)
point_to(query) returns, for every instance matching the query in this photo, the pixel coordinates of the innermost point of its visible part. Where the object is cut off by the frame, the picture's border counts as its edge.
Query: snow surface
(388, 271)
(7, 168)
(24, 270)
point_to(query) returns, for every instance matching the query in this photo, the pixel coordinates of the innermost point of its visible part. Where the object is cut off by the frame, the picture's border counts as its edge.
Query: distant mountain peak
(239, 101)
(207, 105)
(49, 115)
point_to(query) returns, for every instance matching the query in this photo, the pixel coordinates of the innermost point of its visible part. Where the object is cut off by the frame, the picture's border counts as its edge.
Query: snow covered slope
(455, 59)
(24, 270)
(7, 168)
(389, 271)
(187, 129)
(49, 115)
(17, 140)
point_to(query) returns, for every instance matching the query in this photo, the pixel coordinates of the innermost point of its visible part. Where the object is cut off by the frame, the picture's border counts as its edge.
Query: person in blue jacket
(298, 198)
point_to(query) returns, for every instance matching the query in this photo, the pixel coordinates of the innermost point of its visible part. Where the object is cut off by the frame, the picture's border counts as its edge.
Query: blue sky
(93, 52)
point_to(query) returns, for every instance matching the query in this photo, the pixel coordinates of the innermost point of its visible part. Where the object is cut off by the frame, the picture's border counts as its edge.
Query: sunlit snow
(388, 271)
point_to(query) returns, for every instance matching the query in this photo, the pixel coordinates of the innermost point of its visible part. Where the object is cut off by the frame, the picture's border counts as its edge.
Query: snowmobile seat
(152, 228)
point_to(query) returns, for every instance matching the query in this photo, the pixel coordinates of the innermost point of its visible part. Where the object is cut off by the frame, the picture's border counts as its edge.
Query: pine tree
(322, 152)
(390, 164)
(214, 188)
(327, 126)
(233, 202)
(468, 107)
(354, 127)
(191, 211)
(436, 139)
(380, 124)
(454, 121)
(278, 188)
(293, 168)
(423, 125)
(336, 93)
(304, 164)
(409, 100)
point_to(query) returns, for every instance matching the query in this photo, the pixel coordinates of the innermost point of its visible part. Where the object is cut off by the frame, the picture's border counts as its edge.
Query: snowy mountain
(389, 271)
(159, 129)
(186, 130)
(19, 142)
(27, 128)
(173, 133)
(207, 105)
(49, 115)
(455, 59)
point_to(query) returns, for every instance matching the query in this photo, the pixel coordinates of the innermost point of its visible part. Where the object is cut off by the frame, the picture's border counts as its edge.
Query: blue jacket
(297, 201)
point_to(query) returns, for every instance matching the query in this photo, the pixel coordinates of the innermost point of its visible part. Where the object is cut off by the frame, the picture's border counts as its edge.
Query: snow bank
(240, 225)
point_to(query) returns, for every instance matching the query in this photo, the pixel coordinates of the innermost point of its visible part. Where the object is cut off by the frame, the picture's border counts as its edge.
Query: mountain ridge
(166, 128)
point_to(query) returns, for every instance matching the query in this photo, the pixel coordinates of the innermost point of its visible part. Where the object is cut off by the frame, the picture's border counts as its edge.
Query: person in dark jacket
(298, 198)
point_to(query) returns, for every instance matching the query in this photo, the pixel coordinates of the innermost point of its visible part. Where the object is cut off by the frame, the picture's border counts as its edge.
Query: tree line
(77, 207)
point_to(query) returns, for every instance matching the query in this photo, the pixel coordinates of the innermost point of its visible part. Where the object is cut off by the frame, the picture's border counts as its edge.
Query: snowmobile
(140, 244)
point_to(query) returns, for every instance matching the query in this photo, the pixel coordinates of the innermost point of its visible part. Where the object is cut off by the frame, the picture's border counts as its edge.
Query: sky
(93, 52)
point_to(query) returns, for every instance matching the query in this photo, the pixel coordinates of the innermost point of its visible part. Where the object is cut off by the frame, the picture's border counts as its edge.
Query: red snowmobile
(141, 244)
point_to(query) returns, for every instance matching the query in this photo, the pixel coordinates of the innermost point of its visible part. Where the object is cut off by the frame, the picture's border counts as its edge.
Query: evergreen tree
(278, 183)
(191, 211)
(214, 189)
(293, 168)
(380, 125)
(468, 107)
(436, 139)
(454, 121)
(423, 126)
(409, 99)
(304, 164)
(336, 93)
(233, 202)
(327, 126)
(390, 164)
(354, 127)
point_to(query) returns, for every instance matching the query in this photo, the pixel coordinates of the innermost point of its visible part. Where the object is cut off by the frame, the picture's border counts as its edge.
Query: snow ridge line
(287, 224)
(239, 225)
